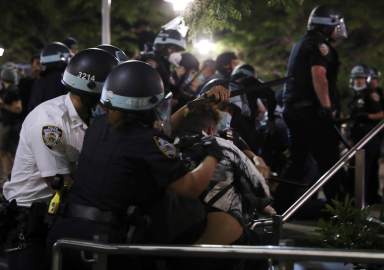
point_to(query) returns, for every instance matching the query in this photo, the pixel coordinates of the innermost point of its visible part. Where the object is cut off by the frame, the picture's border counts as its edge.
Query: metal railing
(334, 169)
(239, 252)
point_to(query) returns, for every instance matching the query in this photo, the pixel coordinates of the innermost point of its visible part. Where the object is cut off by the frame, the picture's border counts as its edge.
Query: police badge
(168, 149)
(324, 49)
(51, 136)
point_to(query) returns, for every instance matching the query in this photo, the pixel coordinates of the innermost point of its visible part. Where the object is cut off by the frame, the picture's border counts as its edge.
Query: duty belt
(91, 213)
(301, 104)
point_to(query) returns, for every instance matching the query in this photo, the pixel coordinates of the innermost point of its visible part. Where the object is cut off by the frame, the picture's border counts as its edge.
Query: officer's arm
(195, 182)
(376, 116)
(320, 84)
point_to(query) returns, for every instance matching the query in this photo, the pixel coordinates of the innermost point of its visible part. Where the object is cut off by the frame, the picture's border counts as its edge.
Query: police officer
(375, 75)
(366, 112)
(50, 141)
(183, 79)
(309, 99)
(166, 43)
(54, 58)
(133, 163)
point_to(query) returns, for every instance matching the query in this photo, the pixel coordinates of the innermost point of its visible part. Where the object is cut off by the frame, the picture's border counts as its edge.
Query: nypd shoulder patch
(168, 149)
(52, 136)
(375, 97)
(324, 49)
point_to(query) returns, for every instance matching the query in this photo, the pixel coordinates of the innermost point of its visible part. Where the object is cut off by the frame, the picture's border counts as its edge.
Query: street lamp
(1, 51)
(204, 46)
(179, 5)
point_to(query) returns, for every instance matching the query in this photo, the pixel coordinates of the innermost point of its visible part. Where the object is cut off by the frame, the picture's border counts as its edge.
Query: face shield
(341, 30)
(163, 112)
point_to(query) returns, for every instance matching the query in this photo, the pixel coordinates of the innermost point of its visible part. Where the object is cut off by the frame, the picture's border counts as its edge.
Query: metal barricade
(332, 171)
(216, 251)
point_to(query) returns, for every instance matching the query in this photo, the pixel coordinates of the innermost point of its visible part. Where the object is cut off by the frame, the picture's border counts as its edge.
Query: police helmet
(374, 73)
(55, 53)
(9, 75)
(358, 72)
(70, 42)
(242, 71)
(87, 71)
(115, 51)
(170, 37)
(324, 17)
(212, 83)
(132, 86)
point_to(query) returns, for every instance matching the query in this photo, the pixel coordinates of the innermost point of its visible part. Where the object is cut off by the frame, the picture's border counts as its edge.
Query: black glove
(212, 148)
(326, 114)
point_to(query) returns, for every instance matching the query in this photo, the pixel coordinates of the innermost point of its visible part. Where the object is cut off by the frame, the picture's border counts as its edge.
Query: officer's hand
(219, 93)
(212, 148)
(269, 210)
(326, 114)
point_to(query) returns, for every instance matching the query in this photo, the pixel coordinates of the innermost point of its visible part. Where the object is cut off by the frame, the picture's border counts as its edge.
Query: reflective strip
(181, 43)
(130, 103)
(54, 58)
(325, 21)
(81, 84)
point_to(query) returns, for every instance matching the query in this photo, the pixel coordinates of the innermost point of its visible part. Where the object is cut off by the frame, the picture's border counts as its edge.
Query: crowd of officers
(160, 150)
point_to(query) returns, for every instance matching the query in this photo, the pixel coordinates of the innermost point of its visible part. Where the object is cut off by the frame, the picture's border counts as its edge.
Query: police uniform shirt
(126, 166)
(312, 50)
(50, 141)
(366, 101)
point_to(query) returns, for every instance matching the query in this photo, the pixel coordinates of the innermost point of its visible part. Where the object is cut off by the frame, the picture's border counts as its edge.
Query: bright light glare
(179, 5)
(204, 46)
(1, 51)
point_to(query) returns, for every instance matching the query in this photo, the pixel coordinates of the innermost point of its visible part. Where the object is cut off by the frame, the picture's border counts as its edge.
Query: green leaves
(349, 227)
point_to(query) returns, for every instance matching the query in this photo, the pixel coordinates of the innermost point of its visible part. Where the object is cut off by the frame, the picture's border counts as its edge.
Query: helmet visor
(163, 112)
(341, 30)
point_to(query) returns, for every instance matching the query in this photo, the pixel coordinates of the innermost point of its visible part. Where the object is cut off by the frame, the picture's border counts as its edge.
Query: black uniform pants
(309, 136)
(25, 247)
(66, 227)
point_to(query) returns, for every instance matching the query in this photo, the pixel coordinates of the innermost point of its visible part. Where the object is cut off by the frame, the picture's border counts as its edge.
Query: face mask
(358, 87)
(175, 58)
(225, 121)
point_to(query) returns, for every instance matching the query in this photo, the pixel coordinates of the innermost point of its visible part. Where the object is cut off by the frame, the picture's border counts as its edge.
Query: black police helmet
(242, 71)
(133, 86)
(55, 53)
(325, 19)
(87, 71)
(360, 71)
(324, 16)
(115, 51)
(375, 73)
(213, 82)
